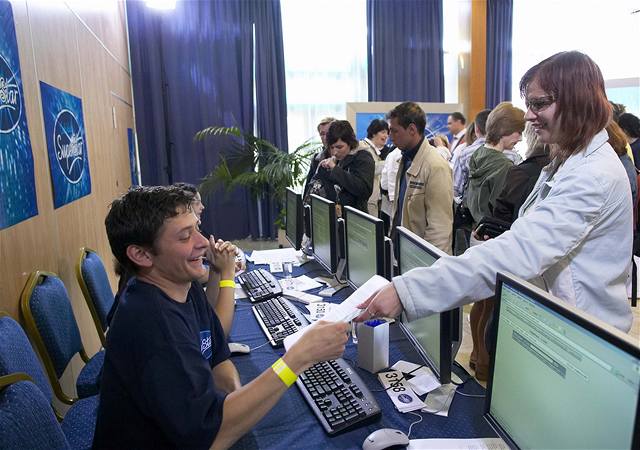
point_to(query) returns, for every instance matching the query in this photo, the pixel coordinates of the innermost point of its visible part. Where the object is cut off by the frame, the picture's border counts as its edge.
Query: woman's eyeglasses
(539, 104)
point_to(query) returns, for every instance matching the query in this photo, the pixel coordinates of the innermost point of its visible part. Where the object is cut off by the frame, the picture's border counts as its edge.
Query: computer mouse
(238, 349)
(385, 438)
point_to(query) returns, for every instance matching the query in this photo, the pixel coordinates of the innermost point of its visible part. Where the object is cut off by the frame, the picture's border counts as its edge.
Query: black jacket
(353, 178)
(521, 180)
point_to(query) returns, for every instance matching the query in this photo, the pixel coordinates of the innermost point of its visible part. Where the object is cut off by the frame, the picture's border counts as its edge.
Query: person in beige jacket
(424, 183)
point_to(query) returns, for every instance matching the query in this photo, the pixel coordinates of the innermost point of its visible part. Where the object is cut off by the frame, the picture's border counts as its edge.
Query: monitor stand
(333, 284)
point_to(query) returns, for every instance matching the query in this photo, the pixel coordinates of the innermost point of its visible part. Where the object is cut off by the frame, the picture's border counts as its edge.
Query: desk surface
(291, 424)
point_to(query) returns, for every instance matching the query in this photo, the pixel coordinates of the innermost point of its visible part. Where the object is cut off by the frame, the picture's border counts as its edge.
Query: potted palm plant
(256, 164)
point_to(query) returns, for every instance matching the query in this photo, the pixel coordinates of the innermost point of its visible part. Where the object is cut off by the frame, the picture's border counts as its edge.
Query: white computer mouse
(236, 348)
(385, 438)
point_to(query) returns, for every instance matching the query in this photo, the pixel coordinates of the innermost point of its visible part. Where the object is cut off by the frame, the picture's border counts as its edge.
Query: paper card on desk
(302, 297)
(439, 400)
(425, 382)
(346, 310)
(458, 444)
(406, 367)
(402, 396)
(301, 283)
(276, 255)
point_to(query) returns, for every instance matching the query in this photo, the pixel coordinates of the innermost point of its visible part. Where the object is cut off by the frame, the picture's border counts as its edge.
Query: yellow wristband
(282, 370)
(227, 283)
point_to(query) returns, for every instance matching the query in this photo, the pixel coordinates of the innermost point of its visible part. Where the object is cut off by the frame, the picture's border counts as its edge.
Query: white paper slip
(302, 296)
(275, 267)
(276, 255)
(406, 367)
(346, 310)
(438, 401)
(425, 382)
(301, 283)
(458, 444)
(402, 396)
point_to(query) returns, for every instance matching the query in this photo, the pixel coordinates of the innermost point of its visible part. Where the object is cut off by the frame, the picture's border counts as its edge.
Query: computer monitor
(559, 377)
(437, 337)
(323, 233)
(364, 245)
(294, 222)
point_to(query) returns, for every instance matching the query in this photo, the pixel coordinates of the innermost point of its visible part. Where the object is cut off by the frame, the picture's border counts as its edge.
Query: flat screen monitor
(559, 378)
(294, 222)
(433, 336)
(323, 232)
(364, 245)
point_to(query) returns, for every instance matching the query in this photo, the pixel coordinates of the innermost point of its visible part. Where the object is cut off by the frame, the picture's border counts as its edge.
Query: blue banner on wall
(66, 145)
(436, 124)
(17, 185)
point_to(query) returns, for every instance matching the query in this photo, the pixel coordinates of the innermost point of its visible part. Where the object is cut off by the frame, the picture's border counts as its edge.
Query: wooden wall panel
(82, 51)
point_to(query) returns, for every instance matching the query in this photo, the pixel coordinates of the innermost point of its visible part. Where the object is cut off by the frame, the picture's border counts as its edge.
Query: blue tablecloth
(291, 423)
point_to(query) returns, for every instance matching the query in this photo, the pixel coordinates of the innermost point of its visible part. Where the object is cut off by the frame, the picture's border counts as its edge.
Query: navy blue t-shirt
(157, 390)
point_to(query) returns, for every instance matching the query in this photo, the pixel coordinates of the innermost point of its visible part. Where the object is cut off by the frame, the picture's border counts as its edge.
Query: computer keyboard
(337, 395)
(278, 318)
(259, 285)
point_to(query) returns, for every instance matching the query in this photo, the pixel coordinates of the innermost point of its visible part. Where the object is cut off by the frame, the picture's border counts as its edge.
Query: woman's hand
(328, 163)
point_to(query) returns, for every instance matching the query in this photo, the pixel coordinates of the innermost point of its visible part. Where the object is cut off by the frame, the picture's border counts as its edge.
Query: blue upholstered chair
(26, 420)
(17, 356)
(96, 289)
(52, 327)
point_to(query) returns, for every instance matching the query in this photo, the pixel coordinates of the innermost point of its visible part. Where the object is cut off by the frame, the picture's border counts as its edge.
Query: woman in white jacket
(575, 228)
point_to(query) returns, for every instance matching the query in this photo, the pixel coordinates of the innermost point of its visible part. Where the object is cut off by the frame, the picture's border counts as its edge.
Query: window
(606, 31)
(325, 56)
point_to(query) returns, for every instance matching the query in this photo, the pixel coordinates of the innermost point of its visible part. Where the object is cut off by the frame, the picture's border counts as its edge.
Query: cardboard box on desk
(373, 345)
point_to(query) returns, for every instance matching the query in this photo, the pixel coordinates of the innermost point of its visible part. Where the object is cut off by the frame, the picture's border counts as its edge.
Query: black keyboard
(278, 318)
(260, 285)
(337, 395)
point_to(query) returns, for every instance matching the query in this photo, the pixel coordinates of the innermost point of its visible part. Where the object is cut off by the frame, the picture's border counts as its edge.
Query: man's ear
(139, 255)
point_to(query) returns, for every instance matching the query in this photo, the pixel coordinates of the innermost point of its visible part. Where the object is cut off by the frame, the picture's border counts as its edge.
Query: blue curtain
(405, 56)
(499, 31)
(271, 98)
(193, 68)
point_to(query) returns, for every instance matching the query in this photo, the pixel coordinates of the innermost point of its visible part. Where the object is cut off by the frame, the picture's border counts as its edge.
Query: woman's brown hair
(617, 139)
(576, 84)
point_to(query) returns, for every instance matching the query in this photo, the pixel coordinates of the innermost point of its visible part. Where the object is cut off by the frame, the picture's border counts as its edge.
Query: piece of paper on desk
(439, 400)
(276, 255)
(301, 283)
(425, 382)
(458, 444)
(345, 311)
(302, 297)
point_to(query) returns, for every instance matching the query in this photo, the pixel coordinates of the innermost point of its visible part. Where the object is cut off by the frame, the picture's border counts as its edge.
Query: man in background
(456, 124)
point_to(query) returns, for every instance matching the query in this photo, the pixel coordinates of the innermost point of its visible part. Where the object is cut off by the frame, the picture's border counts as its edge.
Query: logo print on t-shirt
(205, 344)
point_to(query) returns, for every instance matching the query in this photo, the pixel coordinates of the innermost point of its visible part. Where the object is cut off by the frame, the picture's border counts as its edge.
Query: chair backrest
(51, 325)
(96, 289)
(26, 418)
(16, 355)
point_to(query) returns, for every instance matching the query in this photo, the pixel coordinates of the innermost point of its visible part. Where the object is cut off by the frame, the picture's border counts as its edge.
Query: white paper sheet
(301, 283)
(458, 444)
